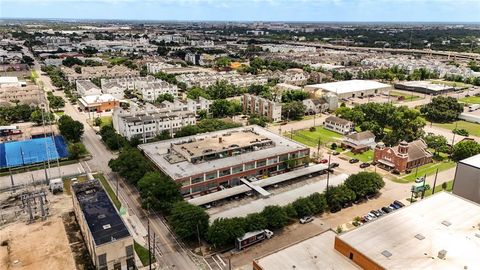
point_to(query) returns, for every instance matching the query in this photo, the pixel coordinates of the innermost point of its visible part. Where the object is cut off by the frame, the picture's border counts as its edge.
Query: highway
(170, 253)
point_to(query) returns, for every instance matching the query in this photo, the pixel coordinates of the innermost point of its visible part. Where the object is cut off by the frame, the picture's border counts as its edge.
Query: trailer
(251, 238)
(56, 185)
(473, 107)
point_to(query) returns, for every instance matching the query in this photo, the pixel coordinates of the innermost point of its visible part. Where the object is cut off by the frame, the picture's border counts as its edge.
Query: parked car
(306, 220)
(386, 210)
(371, 216)
(375, 213)
(334, 165)
(395, 206)
(323, 161)
(353, 160)
(399, 203)
(364, 165)
(335, 153)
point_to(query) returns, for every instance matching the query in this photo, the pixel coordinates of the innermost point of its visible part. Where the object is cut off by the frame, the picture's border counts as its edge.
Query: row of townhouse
(145, 123)
(30, 94)
(208, 79)
(88, 73)
(148, 87)
(253, 104)
(284, 48)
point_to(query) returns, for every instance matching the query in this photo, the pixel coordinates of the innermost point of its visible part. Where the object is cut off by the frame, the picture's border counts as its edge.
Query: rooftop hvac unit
(442, 254)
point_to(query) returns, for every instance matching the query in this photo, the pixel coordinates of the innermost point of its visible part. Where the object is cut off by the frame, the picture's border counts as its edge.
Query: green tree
(55, 102)
(197, 92)
(465, 149)
(130, 164)
(158, 191)
(187, 219)
(255, 222)
(364, 183)
(294, 110)
(223, 62)
(75, 150)
(162, 97)
(437, 142)
(37, 117)
(442, 109)
(260, 120)
(223, 108)
(294, 95)
(71, 61)
(276, 216)
(71, 129)
(164, 135)
(339, 195)
(112, 140)
(187, 131)
(304, 207)
(224, 231)
(319, 202)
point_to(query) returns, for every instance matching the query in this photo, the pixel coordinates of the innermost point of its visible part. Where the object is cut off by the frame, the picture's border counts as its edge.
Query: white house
(359, 142)
(87, 88)
(338, 125)
(114, 89)
(314, 106)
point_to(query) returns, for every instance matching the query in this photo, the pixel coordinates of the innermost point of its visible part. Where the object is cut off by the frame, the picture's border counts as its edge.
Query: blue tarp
(20, 153)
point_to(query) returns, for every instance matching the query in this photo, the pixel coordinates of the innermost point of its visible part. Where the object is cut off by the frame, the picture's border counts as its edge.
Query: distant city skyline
(248, 10)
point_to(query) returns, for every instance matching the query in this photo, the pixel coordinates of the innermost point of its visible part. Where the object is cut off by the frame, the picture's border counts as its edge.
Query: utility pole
(435, 182)
(328, 172)
(318, 148)
(423, 189)
(453, 139)
(149, 250)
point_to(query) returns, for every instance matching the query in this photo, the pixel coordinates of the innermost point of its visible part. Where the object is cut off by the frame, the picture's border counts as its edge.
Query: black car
(364, 165)
(386, 209)
(399, 203)
(395, 206)
(334, 165)
(353, 160)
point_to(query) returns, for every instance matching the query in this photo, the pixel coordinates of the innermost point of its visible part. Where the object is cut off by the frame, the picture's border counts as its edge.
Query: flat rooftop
(472, 161)
(414, 235)
(101, 216)
(158, 152)
(427, 85)
(221, 142)
(316, 253)
(280, 199)
(350, 86)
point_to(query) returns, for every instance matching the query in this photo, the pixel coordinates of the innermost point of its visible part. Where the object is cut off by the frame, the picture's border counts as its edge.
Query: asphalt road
(170, 253)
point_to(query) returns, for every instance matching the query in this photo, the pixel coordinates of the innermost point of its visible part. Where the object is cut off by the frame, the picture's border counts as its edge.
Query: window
(117, 266)
(225, 172)
(351, 256)
(261, 163)
(197, 179)
(129, 250)
(102, 259)
(249, 166)
(210, 176)
(283, 157)
(271, 161)
(237, 169)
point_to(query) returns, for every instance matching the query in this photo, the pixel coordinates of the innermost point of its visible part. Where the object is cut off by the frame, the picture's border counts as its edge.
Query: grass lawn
(109, 190)
(142, 253)
(59, 113)
(438, 188)
(106, 121)
(366, 156)
(309, 138)
(428, 169)
(474, 100)
(472, 128)
(407, 97)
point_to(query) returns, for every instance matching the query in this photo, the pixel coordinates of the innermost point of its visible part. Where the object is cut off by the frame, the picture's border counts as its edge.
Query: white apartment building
(149, 87)
(171, 38)
(187, 105)
(147, 122)
(207, 79)
(87, 88)
(160, 67)
(338, 125)
(285, 48)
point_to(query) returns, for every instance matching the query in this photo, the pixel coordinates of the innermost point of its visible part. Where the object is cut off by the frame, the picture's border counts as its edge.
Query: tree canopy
(188, 219)
(130, 164)
(158, 191)
(71, 129)
(364, 183)
(442, 109)
(465, 149)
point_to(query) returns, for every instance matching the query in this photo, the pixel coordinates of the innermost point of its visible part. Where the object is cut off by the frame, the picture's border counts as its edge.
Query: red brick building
(402, 157)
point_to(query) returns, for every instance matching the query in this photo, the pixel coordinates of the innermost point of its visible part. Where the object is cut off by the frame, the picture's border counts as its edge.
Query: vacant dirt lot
(41, 245)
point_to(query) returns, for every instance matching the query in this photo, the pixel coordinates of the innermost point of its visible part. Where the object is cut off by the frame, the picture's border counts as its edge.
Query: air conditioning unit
(442, 254)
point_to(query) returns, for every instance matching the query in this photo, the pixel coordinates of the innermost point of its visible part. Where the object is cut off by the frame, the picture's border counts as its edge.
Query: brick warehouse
(204, 162)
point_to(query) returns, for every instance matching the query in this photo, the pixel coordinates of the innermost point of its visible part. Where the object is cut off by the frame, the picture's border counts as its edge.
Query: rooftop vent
(442, 254)
(101, 216)
(419, 237)
(386, 253)
(446, 223)
(107, 226)
(477, 235)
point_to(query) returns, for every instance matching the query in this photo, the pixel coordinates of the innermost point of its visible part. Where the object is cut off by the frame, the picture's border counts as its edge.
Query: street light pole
(328, 171)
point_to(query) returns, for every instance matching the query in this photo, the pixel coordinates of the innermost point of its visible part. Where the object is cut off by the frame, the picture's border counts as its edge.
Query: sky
(248, 10)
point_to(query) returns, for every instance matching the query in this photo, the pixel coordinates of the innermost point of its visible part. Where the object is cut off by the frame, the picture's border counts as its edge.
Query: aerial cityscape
(239, 135)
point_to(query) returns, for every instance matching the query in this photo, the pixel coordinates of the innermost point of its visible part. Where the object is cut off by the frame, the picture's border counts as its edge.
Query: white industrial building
(350, 88)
